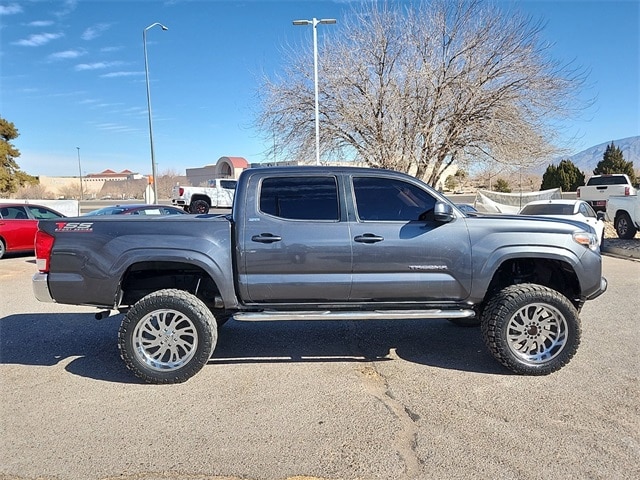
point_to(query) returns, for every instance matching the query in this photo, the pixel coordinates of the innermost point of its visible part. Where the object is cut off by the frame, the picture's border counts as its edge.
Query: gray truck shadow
(90, 346)
(436, 343)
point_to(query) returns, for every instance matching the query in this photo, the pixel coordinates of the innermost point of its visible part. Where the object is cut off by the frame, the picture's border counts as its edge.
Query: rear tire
(531, 329)
(3, 249)
(624, 226)
(199, 206)
(167, 336)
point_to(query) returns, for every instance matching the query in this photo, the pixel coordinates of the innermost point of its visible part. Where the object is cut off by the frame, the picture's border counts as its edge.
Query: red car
(18, 225)
(137, 209)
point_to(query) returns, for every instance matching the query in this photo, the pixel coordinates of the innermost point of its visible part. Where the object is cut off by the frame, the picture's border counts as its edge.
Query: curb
(631, 252)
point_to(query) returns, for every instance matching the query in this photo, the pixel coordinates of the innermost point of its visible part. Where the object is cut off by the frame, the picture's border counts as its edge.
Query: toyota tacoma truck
(324, 243)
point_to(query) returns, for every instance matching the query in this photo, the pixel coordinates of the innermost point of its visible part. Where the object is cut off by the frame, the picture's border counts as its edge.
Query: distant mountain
(588, 159)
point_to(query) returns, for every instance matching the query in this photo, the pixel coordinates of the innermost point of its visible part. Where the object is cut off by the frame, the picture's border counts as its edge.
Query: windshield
(548, 209)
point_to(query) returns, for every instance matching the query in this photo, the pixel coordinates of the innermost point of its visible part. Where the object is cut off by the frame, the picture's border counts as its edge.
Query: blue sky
(72, 75)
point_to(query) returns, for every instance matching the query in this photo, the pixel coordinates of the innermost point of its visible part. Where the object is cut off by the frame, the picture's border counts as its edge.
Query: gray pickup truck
(324, 243)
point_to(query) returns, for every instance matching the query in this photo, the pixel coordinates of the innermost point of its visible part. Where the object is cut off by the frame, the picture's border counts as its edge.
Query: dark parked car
(137, 209)
(18, 225)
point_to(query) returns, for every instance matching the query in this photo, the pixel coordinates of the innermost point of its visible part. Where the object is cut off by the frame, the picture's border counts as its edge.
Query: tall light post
(146, 72)
(315, 22)
(80, 171)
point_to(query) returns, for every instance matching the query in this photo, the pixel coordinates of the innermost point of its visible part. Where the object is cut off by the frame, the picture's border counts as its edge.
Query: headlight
(587, 239)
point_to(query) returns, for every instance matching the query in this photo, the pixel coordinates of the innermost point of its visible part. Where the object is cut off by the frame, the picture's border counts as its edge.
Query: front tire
(624, 226)
(167, 336)
(531, 329)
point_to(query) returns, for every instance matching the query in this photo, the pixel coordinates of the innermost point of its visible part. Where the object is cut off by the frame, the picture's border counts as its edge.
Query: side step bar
(353, 315)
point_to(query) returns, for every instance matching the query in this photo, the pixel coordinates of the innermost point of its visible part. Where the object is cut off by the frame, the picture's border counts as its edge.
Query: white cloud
(67, 54)
(10, 9)
(67, 7)
(40, 23)
(110, 49)
(96, 66)
(121, 74)
(38, 39)
(95, 31)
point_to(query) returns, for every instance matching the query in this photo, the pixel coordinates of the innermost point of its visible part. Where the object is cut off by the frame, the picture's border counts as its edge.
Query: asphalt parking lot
(322, 400)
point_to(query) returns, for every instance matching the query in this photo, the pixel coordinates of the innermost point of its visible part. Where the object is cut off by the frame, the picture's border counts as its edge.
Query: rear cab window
(40, 213)
(300, 198)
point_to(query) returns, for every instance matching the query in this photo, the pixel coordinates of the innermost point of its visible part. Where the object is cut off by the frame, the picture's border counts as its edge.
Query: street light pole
(80, 171)
(315, 22)
(146, 72)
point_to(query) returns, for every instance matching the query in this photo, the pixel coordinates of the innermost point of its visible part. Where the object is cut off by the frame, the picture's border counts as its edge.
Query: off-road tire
(167, 336)
(624, 226)
(531, 329)
(199, 207)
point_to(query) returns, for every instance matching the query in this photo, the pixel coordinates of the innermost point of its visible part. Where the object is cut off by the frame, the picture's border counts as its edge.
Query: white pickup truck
(219, 194)
(600, 187)
(624, 212)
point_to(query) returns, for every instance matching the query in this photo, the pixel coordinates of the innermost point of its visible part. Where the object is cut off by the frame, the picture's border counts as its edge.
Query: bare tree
(419, 87)
(35, 192)
(69, 191)
(166, 181)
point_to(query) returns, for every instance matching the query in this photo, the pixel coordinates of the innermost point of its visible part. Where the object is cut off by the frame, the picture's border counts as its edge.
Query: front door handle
(368, 238)
(266, 238)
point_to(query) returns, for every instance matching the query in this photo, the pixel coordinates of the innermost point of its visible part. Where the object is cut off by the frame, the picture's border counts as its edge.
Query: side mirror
(601, 215)
(443, 212)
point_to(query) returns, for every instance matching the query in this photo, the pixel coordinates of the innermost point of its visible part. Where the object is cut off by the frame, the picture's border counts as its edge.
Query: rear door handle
(266, 238)
(368, 238)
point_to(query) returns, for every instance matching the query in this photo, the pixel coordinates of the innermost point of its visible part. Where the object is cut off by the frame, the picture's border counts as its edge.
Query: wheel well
(144, 278)
(554, 274)
(200, 196)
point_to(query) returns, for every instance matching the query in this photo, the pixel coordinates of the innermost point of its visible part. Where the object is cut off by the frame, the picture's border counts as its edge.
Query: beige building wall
(90, 186)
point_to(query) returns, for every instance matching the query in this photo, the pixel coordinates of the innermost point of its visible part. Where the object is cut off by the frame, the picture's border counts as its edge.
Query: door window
(300, 198)
(14, 213)
(383, 199)
(587, 211)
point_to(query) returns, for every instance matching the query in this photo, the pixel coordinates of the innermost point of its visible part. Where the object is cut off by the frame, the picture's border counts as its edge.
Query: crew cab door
(295, 242)
(400, 253)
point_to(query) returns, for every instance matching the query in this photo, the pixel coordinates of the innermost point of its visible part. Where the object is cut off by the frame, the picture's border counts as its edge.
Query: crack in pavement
(376, 384)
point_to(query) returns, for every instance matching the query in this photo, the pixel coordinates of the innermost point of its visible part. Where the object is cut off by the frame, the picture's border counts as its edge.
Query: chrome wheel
(531, 329)
(167, 336)
(165, 340)
(537, 333)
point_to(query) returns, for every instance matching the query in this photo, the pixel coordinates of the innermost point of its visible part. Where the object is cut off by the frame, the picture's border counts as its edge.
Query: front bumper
(40, 286)
(597, 293)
